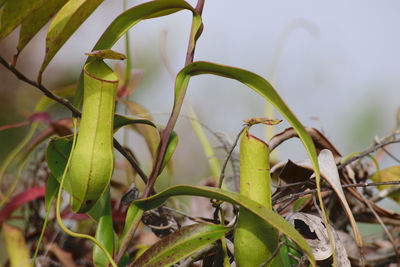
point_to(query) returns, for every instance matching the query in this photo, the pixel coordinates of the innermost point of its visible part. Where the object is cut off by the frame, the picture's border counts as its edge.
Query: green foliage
(66, 22)
(181, 244)
(255, 240)
(36, 20)
(260, 211)
(15, 12)
(84, 170)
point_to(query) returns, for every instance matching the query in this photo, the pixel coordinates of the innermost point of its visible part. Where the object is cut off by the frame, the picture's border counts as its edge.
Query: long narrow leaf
(252, 80)
(15, 243)
(261, 86)
(67, 21)
(213, 162)
(14, 12)
(104, 233)
(133, 217)
(180, 244)
(36, 21)
(149, 10)
(262, 212)
(134, 15)
(150, 136)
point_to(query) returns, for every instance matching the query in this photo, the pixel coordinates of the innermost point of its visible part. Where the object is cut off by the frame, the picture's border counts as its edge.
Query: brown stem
(295, 196)
(368, 151)
(47, 92)
(166, 134)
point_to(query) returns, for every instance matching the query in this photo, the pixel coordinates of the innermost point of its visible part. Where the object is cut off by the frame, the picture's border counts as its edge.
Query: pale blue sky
(348, 76)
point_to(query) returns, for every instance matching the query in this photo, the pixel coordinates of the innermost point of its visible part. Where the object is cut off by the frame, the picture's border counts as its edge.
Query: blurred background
(336, 65)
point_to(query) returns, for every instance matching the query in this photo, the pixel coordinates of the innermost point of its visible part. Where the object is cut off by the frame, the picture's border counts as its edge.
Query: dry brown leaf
(64, 257)
(314, 232)
(16, 246)
(320, 141)
(330, 173)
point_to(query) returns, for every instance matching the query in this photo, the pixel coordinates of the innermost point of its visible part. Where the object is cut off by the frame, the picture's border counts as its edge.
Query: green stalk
(58, 204)
(128, 67)
(14, 154)
(255, 240)
(205, 143)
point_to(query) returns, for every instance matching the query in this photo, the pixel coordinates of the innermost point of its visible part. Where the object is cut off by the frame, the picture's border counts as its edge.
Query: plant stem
(47, 92)
(373, 148)
(166, 134)
(58, 203)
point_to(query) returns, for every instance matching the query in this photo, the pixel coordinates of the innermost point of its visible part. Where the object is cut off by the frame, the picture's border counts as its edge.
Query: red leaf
(20, 199)
(40, 117)
(15, 125)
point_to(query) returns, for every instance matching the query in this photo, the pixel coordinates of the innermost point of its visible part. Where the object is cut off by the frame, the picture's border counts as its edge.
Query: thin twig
(391, 155)
(131, 160)
(190, 217)
(47, 92)
(372, 149)
(276, 251)
(384, 193)
(222, 176)
(388, 234)
(312, 191)
(165, 136)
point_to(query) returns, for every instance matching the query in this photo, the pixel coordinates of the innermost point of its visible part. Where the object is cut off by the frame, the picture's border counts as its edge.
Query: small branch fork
(377, 145)
(73, 109)
(369, 203)
(166, 134)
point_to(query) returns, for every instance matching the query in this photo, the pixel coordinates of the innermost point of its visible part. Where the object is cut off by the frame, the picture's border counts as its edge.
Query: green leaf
(104, 233)
(387, 175)
(149, 10)
(98, 209)
(66, 22)
(14, 12)
(208, 149)
(252, 80)
(259, 85)
(36, 20)
(133, 217)
(106, 54)
(181, 244)
(132, 16)
(52, 187)
(57, 154)
(150, 136)
(138, 123)
(215, 193)
(7, 162)
(120, 121)
(172, 143)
